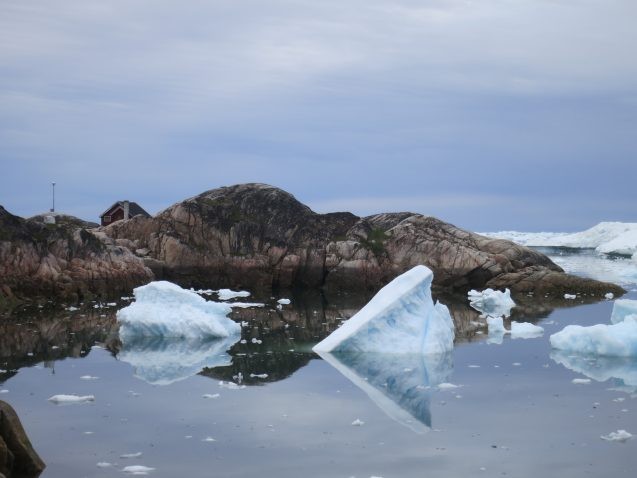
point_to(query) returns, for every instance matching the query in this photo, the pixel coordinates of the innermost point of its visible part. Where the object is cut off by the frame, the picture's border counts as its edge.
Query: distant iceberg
(164, 309)
(162, 361)
(399, 384)
(400, 318)
(623, 308)
(492, 303)
(605, 237)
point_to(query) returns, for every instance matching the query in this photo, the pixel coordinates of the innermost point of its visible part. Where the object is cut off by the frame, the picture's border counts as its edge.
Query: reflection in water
(162, 361)
(599, 368)
(399, 384)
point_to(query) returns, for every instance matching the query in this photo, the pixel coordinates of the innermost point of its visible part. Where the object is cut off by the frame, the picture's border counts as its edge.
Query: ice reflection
(162, 361)
(599, 368)
(399, 384)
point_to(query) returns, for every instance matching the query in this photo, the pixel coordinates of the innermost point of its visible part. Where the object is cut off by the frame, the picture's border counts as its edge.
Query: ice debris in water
(104, 464)
(581, 381)
(164, 309)
(623, 308)
(525, 330)
(496, 325)
(68, 399)
(447, 386)
(88, 377)
(609, 296)
(137, 470)
(619, 436)
(619, 340)
(131, 455)
(570, 296)
(358, 423)
(284, 301)
(400, 318)
(227, 294)
(492, 303)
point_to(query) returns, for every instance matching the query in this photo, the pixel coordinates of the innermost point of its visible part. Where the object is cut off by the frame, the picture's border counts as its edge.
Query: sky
(490, 114)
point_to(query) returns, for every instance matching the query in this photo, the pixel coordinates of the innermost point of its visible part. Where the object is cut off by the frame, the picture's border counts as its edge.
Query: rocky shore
(259, 237)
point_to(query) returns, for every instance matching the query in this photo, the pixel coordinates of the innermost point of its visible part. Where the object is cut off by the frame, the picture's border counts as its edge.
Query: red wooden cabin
(121, 210)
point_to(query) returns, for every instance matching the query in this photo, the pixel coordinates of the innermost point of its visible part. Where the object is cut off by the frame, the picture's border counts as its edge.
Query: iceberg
(492, 303)
(525, 330)
(165, 309)
(400, 318)
(496, 326)
(623, 308)
(399, 384)
(618, 340)
(164, 360)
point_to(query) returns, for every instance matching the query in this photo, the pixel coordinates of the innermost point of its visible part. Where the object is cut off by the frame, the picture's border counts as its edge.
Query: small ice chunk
(71, 309)
(619, 340)
(63, 399)
(570, 296)
(358, 423)
(164, 309)
(104, 464)
(208, 439)
(623, 308)
(131, 455)
(88, 377)
(230, 385)
(525, 330)
(284, 301)
(493, 303)
(259, 375)
(245, 305)
(138, 470)
(581, 381)
(4, 390)
(619, 436)
(400, 318)
(227, 294)
(210, 395)
(609, 296)
(496, 325)
(447, 386)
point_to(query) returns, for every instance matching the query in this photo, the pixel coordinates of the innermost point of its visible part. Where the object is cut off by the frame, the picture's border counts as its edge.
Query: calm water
(514, 412)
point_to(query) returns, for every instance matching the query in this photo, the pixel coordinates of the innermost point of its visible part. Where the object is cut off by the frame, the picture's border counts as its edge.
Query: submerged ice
(400, 318)
(165, 309)
(492, 303)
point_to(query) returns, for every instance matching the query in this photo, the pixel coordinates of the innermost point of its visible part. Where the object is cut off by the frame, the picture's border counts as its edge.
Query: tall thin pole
(53, 187)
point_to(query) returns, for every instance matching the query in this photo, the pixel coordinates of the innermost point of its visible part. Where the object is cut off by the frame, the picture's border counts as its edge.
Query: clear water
(515, 411)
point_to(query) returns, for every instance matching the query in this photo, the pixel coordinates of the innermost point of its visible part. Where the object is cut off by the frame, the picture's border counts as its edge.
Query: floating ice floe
(570, 296)
(619, 436)
(525, 330)
(581, 381)
(70, 399)
(492, 303)
(137, 470)
(131, 455)
(165, 309)
(623, 308)
(227, 294)
(496, 326)
(400, 318)
(104, 464)
(618, 339)
(245, 305)
(165, 360)
(88, 377)
(399, 384)
(284, 301)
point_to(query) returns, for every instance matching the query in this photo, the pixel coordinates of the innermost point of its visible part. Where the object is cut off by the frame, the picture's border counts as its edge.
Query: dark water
(514, 412)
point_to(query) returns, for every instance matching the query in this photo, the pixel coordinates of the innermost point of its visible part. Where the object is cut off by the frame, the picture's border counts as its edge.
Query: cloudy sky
(491, 114)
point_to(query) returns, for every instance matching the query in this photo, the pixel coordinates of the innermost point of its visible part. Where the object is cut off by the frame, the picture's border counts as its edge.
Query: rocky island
(260, 237)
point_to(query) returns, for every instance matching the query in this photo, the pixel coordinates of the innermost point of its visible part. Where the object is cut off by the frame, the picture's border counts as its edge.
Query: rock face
(260, 237)
(62, 260)
(17, 456)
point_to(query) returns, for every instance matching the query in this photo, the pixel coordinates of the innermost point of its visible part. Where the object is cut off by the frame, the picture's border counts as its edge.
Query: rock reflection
(162, 361)
(399, 384)
(622, 369)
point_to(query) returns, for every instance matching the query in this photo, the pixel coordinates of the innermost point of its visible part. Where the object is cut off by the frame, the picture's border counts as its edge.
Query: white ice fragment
(358, 423)
(623, 308)
(227, 294)
(164, 309)
(447, 386)
(104, 464)
(400, 318)
(231, 385)
(259, 375)
(71, 309)
(581, 381)
(493, 303)
(209, 439)
(619, 340)
(525, 330)
(284, 301)
(88, 377)
(496, 326)
(138, 470)
(210, 395)
(4, 390)
(112, 304)
(131, 455)
(618, 436)
(64, 399)
(570, 296)
(609, 296)
(245, 305)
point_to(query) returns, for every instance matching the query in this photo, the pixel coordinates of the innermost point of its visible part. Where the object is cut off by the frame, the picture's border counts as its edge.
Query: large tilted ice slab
(623, 308)
(399, 384)
(165, 309)
(605, 237)
(616, 340)
(400, 318)
(492, 303)
(162, 361)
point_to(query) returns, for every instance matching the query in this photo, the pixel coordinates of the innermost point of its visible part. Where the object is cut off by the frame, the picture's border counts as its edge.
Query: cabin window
(107, 218)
